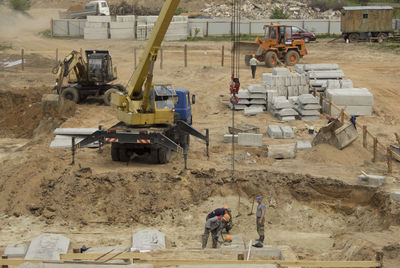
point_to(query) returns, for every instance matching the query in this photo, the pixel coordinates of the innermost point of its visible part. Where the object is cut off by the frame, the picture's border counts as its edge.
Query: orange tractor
(277, 46)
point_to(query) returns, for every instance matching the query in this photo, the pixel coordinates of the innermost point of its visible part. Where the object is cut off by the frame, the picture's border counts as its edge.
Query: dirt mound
(21, 113)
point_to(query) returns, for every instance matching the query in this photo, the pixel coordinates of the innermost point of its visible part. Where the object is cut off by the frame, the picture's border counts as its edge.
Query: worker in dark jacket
(221, 212)
(214, 226)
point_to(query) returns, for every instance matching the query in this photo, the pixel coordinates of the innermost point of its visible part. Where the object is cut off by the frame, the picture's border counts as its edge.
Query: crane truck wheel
(114, 151)
(292, 57)
(124, 155)
(70, 93)
(107, 95)
(271, 59)
(164, 155)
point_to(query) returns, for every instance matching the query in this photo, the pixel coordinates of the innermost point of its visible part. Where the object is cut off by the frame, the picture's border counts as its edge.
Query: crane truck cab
(100, 7)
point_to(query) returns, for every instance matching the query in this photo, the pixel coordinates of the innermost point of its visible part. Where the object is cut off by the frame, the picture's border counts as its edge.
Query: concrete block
(271, 94)
(295, 79)
(310, 106)
(122, 25)
(257, 106)
(243, 101)
(292, 91)
(346, 83)
(395, 196)
(122, 33)
(148, 239)
(65, 141)
(293, 100)
(126, 18)
(253, 111)
(250, 139)
(237, 106)
(282, 151)
(303, 79)
(98, 18)
(310, 118)
(280, 102)
(350, 96)
(320, 67)
(351, 110)
(275, 132)
(288, 81)
(228, 138)
(266, 77)
(372, 180)
(287, 132)
(286, 118)
(282, 91)
(15, 251)
(258, 96)
(318, 83)
(337, 74)
(47, 247)
(286, 112)
(257, 88)
(280, 80)
(308, 112)
(308, 99)
(305, 89)
(303, 145)
(258, 101)
(243, 94)
(280, 71)
(333, 84)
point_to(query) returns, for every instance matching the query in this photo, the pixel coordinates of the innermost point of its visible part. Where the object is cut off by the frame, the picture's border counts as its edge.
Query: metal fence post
(206, 28)
(365, 136)
(222, 57)
(22, 59)
(185, 54)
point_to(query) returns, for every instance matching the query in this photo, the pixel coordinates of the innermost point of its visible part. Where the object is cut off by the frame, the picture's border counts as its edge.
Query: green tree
(279, 13)
(20, 5)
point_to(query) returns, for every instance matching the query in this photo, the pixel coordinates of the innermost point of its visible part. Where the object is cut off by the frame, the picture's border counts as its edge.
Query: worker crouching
(214, 226)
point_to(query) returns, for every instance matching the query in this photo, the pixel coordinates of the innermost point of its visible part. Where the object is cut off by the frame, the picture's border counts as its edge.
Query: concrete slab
(286, 112)
(275, 132)
(310, 106)
(122, 25)
(122, 33)
(292, 91)
(257, 88)
(47, 247)
(282, 151)
(299, 68)
(310, 118)
(253, 111)
(350, 96)
(196, 32)
(238, 107)
(288, 81)
(303, 145)
(318, 83)
(250, 139)
(258, 96)
(337, 74)
(293, 100)
(228, 138)
(286, 118)
(395, 196)
(304, 89)
(74, 131)
(351, 110)
(308, 112)
(258, 101)
(243, 93)
(148, 239)
(243, 101)
(287, 132)
(303, 80)
(280, 71)
(15, 251)
(346, 83)
(334, 84)
(96, 25)
(320, 67)
(308, 99)
(281, 102)
(371, 180)
(98, 18)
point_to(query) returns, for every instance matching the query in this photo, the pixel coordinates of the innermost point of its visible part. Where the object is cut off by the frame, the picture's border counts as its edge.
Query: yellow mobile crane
(154, 118)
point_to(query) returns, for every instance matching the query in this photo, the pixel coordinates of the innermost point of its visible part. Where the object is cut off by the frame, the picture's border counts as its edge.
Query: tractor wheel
(124, 155)
(107, 95)
(164, 155)
(70, 93)
(382, 37)
(271, 59)
(353, 37)
(292, 57)
(114, 151)
(247, 60)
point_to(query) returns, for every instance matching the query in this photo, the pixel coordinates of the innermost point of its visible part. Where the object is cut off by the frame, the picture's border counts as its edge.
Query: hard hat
(258, 198)
(227, 217)
(228, 238)
(225, 207)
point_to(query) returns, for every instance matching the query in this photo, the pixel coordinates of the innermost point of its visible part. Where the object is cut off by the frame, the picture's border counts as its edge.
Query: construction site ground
(314, 204)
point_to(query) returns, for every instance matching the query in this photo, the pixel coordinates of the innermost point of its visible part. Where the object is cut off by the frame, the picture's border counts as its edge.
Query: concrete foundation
(47, 247)
(148, 239)
(15, 251)
(372, 180)
(250, 139)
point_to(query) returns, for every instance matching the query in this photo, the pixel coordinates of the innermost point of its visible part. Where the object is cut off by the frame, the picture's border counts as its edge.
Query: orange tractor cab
(278, 46)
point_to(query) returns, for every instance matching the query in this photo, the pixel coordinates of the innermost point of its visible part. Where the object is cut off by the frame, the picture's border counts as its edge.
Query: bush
(279, 13)
(180, 10)
(20, 5)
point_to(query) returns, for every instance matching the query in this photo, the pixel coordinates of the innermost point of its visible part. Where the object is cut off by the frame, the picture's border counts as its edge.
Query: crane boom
(134, 107)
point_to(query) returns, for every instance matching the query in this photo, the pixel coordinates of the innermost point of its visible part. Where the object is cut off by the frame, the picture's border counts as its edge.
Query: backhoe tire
(114, 151)
(107, 95)
(271, 59)
(292, 57)
(70, 93)
(164, 155)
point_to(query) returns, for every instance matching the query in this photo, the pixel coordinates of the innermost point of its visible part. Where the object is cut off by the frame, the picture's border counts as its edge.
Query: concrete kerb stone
(395, 196)
(15, 251)
(280, 71)
(287, 132)
(286, 112)
(228, 138)
(337, 74)
(321, 67)
(333, 84)
(250, 139)
(253, 110)
(303, 145)
(275, 132)
(47, 247)
(371, 180)
(148, 239)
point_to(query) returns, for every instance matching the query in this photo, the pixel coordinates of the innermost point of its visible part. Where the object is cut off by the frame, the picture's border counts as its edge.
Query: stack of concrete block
(282, 109)
(123, 27)
(308, 107)
(285, 83)
(177, 30)
(244, 100)
(280, 132)
(323, 76)
(257, 96)
(97, 27)
(356, 101)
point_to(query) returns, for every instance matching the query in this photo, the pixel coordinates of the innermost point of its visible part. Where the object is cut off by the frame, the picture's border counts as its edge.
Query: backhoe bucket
(337, 134)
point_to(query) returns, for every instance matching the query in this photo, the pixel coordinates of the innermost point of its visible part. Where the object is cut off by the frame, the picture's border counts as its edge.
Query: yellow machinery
(136, 107)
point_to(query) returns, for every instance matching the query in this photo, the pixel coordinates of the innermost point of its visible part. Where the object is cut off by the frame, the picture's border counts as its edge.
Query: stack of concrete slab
(177, 30)
(285, 83)
(123, 27)
(282, 109)
(280, 132)
(244, 100)
(97, 27)
(257, 96)
(308, 107)
(356, 101)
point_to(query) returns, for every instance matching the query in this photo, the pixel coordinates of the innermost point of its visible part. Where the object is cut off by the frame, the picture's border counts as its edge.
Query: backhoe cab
(278, 46)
